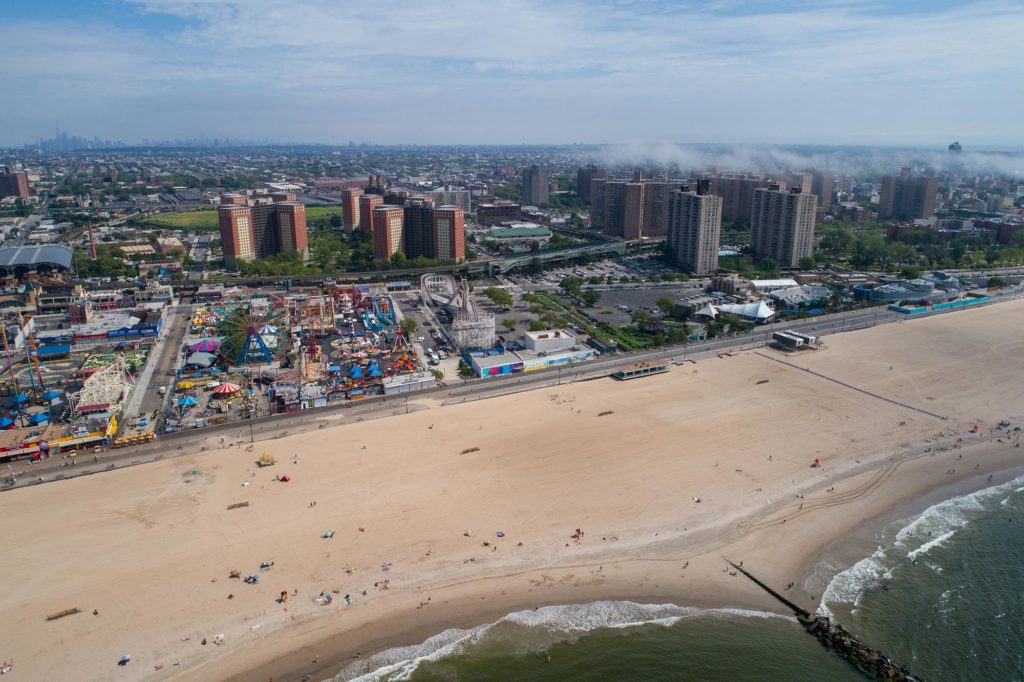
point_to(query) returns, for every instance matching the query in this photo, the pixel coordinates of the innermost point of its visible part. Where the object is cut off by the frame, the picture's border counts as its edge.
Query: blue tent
(39, 418)
(19, 399)
(5, 422)
(334, 368)
(188, 401)
(355, 372)
(51, 394)
(374, 370)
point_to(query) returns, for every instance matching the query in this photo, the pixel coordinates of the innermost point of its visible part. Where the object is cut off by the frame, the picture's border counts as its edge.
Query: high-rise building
(419, 229)
(821, 187)
(631, 209)
(453, 197)
(291, 228)
(253, 227)
(694, 231)
(584, 176)
(366, 204)
(449, 233)
(350, 208)
(737, 195)
(236, 238)
(14, 183)
(498, 211)
(782, 225)
(387, 230)
(907, 197)
(535, 185)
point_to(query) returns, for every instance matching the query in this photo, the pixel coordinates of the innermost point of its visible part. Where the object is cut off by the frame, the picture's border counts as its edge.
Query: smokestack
(92, 242)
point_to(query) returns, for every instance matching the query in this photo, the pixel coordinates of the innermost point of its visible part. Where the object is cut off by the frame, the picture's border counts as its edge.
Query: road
(275, 426)
(152, 401)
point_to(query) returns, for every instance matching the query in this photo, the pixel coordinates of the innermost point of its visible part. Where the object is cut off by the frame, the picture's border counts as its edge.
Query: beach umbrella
(355, 372)
(39, 418)
(188, 401)
(227, 388)
(185, 385)
(20, 398)
(5, 422)
(51, 394)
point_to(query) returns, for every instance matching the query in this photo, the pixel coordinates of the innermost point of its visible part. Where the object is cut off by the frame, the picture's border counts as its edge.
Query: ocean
(943, 594)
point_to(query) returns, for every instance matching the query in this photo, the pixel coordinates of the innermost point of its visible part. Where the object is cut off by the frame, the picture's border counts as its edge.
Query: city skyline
(878, 73)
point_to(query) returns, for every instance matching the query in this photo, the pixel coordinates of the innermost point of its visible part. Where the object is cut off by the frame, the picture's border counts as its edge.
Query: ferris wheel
(256, 331)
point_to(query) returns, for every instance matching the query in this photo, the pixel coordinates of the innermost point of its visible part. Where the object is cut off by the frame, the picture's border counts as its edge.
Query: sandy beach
(454, 516)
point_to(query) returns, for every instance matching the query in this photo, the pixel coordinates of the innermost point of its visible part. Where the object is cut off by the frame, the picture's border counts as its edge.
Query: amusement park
(255, 354)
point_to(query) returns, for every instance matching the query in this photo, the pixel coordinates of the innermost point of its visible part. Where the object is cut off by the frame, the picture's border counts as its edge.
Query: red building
(236, 236)
(387, 230)
(14, 183)
(291, 228)
(449, 233)
(350, 208)
(366, 204)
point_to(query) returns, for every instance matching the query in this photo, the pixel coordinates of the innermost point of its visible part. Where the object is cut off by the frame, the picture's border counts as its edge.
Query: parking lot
(642, 267)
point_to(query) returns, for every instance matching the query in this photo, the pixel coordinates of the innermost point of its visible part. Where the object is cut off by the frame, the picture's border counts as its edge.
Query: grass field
(206, 221)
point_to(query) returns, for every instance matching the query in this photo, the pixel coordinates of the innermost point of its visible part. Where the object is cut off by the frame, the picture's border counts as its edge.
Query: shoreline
(341, 652)
(471, 510)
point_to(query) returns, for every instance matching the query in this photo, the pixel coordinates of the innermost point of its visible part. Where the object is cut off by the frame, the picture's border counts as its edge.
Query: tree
(808, 263)
(909, 272)
(408, 326)
(641, 317)
(499, 296)
(996, 282)
(536, 265)
(537, 326)
(590, 297)
(509, 324)
(666, 304)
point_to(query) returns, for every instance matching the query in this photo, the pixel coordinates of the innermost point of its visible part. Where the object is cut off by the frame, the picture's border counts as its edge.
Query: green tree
(537, 325)
(408, 326)
(808, 263)
(666, 304)
(641, 318)
(509, 324)
(590, 297)
(499, 296)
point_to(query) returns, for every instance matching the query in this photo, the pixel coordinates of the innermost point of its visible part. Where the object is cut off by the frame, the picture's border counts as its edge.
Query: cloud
(532, 70)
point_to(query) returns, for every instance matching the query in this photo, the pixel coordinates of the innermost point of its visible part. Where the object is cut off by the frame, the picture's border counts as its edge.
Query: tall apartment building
(782, 225)
(737, 195)
(387, 230)
(434, 231)
(906, 197)
(694, 230)
(584, 176)
(253, 227)
(366, 204)
(631, 209)
(453, 197)
(821, 187)
(14, 183)
(535, 185)
(350, 209)
(449, 233)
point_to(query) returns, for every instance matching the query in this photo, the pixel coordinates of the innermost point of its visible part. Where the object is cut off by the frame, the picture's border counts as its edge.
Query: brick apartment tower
(782, 225)
(535, 185)
(236, 237)
(449, 233)
(291, 228)
(350, 208)
(584, 176)
(366, 204)
(387, 230)
(14, 183)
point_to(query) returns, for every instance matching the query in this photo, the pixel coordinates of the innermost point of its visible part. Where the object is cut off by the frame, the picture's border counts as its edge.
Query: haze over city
(308, 71)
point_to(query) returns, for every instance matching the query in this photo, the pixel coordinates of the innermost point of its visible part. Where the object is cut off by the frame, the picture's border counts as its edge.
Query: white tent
(707, 311)
(759, 311)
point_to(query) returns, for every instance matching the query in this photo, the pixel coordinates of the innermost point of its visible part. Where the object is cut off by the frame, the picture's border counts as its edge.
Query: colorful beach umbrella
(188, 401)
(185, 385)
(205, 346)
(227, 388)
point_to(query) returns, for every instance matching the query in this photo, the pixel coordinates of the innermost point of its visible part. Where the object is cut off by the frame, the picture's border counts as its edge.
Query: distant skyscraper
(535, 185)
(782, 225)
(350, 208)
(906, 197)
(387, 230)
(14, 183)
(955, 148)
(694, 230)
(366, 204)
(584, 176)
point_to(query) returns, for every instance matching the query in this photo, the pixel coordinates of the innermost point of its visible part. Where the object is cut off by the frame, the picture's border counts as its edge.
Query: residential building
(535, 185)
(907, 197)
(821, 187)
(387, 230)
(253, 227)
(366, 204)
(350, 208)
(14, 183)
(498, 212)
(291, 228)
(584, 178)
(782, 225)
(694, 230)
(236, 234)
(444, 196)
(737, 195)
(434, 232)
(449, 233)
(631, 209)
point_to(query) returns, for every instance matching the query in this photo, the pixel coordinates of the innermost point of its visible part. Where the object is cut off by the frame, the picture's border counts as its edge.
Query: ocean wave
(531, 630)
(931, 528)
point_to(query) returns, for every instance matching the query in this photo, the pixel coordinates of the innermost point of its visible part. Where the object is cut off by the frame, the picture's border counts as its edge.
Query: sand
(150, 547)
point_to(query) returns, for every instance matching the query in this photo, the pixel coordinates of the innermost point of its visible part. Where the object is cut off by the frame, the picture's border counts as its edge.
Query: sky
(909, 72)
